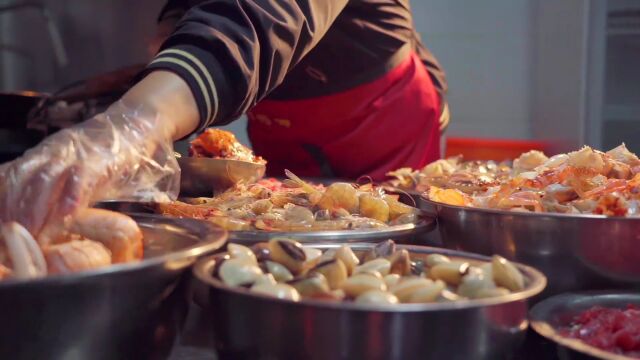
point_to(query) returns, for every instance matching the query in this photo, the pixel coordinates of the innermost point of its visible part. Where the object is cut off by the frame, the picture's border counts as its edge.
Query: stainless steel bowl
(204, 176)
(558, 311)
(251, 326)
(125, 311)
(407, 233)
(576, 252)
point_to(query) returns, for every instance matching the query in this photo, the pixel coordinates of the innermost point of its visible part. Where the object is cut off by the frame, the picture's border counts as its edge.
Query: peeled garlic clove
(380, 265)
(348, 258)
(288, 253)
(451, 272)
(280, 291)
(505, 274)
(239, 272)
(407, 286)
(377, 297)
(361, 283)
(400, 263)
(493, 292)
(449, 296)
(279, 271)
(391, 280)
(428, 293)
(237, 251)
(312, 285)
(436, 259)
(334, 270)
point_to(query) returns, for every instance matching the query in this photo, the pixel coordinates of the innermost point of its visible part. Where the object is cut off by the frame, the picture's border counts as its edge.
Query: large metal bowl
(125, 311)
(406, 233)
(204, 176)
(576, 252)
(253, 326)
(558, 311)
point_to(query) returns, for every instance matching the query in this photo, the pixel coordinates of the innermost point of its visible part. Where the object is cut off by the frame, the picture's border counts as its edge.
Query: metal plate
(124, 311)
(274, 328)
(576, 252)
(400, 233)
(204, 176)
(558, 311)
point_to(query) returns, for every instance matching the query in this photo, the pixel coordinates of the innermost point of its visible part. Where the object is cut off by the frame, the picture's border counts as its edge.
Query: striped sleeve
(233, 53)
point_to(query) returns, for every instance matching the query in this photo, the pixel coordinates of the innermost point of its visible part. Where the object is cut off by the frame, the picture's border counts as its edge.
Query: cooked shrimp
(340, 196)
(76, 255)
(374, 207)
(118, 232)
(23, 253)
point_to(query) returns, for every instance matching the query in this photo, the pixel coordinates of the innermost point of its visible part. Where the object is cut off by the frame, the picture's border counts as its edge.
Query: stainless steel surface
(125, 311)
(576, 252)
(203, 176)
(558, 311)
(247, 325)
(407, 233)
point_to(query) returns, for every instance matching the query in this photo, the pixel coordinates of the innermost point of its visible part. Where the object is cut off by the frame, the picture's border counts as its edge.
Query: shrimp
(24, 258)
(76, 255)
(449, 196)
(374, 207)
(118, 232)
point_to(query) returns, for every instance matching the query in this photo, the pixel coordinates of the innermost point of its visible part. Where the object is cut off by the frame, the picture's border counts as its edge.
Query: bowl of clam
(281, 299)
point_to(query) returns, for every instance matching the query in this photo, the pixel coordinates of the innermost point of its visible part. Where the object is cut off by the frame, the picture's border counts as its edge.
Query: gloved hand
(125, 153)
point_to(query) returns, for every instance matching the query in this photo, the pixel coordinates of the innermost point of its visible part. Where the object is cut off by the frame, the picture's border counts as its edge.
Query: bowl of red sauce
(599, 325)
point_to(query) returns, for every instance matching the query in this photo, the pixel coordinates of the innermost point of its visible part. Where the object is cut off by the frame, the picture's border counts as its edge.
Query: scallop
(279, 271)
(237, 251)
(312, 285)
(265, 279)
(239, 272)
(280, 291)
(391, 279)
(436, 259)
(428, 293)
(288, 253)
(348, 258)
(506, 275)
(377, 297)
(361, 283)
(334, 270)
(407, 286)
(380, 265)
(400, 263)
(451, 272)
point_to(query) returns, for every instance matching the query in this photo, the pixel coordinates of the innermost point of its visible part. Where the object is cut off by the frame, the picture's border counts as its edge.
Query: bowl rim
(215, 238)
(424, 199)
(538, 282)
(538, 319)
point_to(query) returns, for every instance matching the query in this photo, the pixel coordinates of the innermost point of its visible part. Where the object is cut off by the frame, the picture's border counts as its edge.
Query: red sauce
(613, 330)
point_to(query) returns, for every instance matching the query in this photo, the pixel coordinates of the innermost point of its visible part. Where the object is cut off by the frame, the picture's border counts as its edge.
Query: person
(331, 87)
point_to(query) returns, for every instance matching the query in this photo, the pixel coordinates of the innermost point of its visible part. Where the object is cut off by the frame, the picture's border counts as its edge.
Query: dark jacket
(234, 53)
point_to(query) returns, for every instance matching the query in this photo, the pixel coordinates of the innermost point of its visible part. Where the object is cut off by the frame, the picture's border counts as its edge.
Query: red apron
(377, 127)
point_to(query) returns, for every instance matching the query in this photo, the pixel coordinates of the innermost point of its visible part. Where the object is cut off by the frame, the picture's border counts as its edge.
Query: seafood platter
(574, 216)
(113, 288)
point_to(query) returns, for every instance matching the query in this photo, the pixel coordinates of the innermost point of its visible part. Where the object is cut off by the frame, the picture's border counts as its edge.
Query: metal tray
(204, 176)
(576, 252)
(124, 311)
(558, 311)
(407, 233)
(247, 325)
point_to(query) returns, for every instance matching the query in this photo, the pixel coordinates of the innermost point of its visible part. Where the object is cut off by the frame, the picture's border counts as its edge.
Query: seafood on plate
(221, 144)
(295, 205)
(94, 238)
(586, 181)
(451, 173)
(383, 275)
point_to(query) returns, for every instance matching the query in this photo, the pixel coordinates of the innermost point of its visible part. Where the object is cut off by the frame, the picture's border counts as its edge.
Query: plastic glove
(124, 153)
